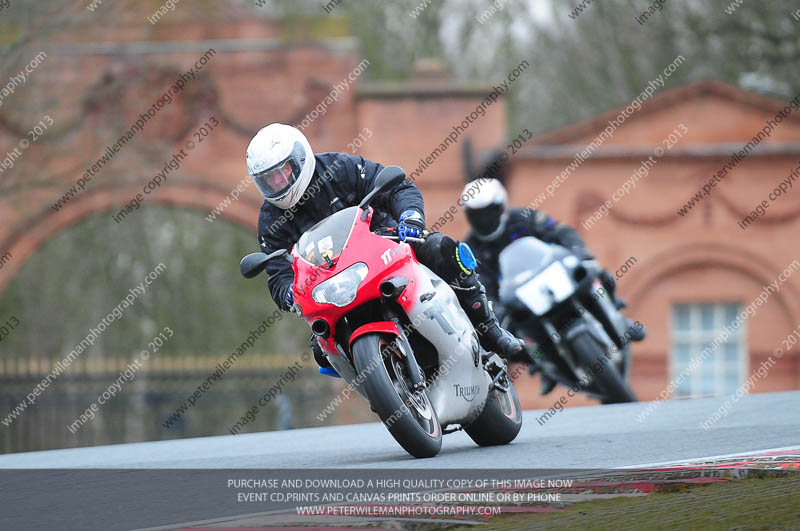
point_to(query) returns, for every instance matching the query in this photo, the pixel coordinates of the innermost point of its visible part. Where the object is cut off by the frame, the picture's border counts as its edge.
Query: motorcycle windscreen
(520, 261)
(328, 237)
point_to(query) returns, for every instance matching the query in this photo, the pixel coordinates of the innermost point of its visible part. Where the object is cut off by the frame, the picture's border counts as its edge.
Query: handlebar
(390, 236)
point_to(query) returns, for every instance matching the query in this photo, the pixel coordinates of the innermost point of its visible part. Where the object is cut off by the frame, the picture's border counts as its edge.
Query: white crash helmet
(485, 203)
(281, 162)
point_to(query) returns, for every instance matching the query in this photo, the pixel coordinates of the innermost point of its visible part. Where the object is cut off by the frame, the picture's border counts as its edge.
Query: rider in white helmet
(301, 188)
(281, 162)
(494, 226)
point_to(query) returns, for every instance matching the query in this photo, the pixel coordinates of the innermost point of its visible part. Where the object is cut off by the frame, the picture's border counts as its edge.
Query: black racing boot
(547, 385)
(472, 296)
(636, 333)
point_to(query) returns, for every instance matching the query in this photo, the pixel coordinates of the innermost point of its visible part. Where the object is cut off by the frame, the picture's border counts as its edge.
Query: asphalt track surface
(168, 482)
(585, 437)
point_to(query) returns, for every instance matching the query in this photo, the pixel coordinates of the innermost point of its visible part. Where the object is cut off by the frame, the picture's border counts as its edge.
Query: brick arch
(727, 256)
(30, 234)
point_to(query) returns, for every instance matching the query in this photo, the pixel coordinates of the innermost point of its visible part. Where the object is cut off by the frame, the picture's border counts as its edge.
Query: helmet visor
(485, 220)
(276, 181)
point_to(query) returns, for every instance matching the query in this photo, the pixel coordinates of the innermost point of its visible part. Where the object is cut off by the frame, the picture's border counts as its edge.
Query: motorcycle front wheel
(607, 380)
(407, 414)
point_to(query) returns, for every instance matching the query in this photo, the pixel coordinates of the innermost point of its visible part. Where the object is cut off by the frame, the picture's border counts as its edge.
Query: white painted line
(693, 460)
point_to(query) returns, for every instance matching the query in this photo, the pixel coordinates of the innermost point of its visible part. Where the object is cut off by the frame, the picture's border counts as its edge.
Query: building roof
(570, 134)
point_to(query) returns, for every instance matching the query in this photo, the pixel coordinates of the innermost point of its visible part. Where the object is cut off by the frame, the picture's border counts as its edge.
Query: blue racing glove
(412, 225)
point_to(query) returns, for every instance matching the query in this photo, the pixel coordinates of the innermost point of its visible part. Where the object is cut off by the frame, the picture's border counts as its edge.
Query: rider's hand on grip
(583, 253)
(411, 225)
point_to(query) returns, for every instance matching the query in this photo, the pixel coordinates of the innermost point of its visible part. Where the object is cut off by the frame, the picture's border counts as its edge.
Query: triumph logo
(467, 393)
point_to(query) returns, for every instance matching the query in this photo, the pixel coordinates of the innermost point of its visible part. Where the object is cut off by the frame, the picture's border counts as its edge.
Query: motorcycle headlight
(342, 288)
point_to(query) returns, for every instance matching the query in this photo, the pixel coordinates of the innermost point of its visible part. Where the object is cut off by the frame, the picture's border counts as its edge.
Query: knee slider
(466, 258)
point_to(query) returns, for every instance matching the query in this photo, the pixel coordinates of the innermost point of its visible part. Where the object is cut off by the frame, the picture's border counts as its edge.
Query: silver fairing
(459, 389)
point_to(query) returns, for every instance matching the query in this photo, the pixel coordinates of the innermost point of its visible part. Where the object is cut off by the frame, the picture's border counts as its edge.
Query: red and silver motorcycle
(396, 332)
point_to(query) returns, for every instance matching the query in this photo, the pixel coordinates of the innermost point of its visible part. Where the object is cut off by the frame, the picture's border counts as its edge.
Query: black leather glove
(583, 253)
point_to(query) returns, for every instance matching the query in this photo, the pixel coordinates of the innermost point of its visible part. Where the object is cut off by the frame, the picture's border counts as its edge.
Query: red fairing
(385, 259)
(386, 327)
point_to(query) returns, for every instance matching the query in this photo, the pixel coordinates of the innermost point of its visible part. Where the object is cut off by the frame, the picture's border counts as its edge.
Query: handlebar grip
(395, 237)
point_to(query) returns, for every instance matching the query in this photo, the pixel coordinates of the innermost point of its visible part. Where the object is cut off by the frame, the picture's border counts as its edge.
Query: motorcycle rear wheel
(500, 421)
(409, 416)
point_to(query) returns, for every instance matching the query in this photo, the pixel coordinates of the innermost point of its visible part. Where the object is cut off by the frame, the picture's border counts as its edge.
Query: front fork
(415, 374)
(586, 322)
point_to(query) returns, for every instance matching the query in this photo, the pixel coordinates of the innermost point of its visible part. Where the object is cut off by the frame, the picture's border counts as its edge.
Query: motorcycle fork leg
(414, 372)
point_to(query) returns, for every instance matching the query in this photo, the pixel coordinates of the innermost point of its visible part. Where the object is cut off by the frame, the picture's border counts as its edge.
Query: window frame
(697, 339)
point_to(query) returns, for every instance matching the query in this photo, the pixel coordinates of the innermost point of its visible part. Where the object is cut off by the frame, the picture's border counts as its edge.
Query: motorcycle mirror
(254, 263)
(388, 177)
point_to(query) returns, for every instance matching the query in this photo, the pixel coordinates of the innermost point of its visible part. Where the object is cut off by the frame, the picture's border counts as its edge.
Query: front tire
(607, 381)
(500, 421)
(409, 416)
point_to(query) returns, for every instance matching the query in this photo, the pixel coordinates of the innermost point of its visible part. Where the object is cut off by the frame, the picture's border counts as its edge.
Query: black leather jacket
(339, 181)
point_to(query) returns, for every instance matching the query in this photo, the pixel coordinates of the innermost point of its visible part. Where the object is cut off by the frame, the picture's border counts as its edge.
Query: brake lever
(380, 232)
(408, 238)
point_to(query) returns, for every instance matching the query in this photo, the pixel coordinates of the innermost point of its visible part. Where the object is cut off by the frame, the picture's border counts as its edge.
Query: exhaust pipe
(393, 287)
(321, 328)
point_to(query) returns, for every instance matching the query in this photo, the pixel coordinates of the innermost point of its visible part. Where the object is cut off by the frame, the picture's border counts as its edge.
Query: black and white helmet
(281, 162)
(485, 207)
